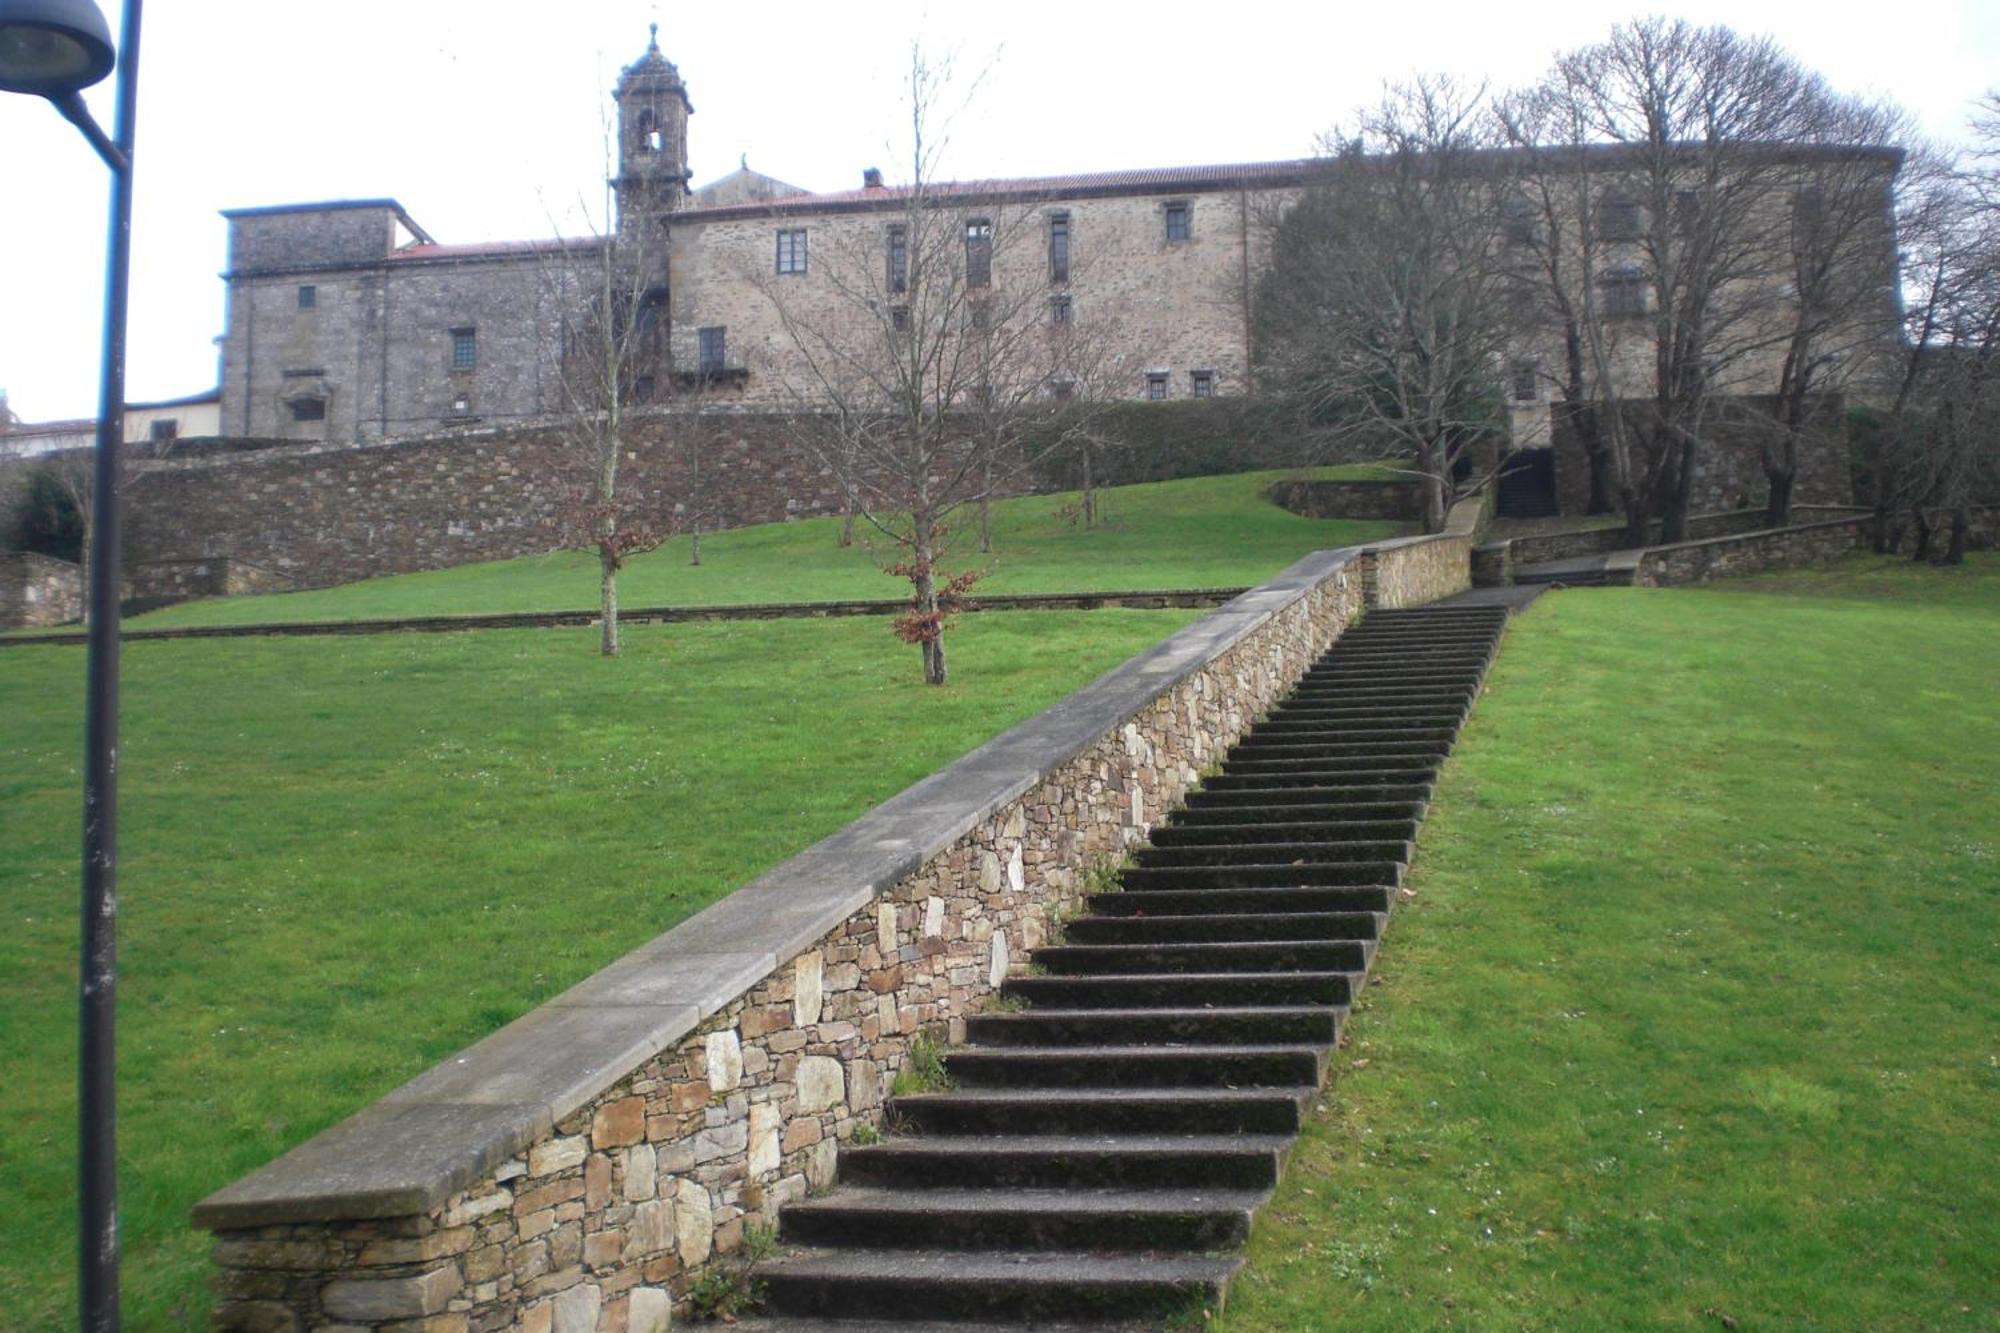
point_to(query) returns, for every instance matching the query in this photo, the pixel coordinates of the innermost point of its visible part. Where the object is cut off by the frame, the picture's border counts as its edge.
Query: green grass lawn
(344, 859)
(1202, 533)
(1694, 1018)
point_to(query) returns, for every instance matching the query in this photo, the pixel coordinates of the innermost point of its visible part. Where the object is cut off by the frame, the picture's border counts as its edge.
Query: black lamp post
(56, 49)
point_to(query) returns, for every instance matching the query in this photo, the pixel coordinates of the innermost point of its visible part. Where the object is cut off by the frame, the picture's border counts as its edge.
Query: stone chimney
(871, 178)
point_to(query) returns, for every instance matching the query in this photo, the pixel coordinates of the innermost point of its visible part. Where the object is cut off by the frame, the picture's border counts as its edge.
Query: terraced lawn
(344, 859)
(1693, 1018)
(1207, 532)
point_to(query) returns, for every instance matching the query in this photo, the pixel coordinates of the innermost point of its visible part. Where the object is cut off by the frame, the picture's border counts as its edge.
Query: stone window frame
(1159, 385)
(1177, 221)
(896, 255)
(1618, 217)
(1623, 292)
(978, 252)
(791, 252)
(1526, 387)
(464, 355)
(1059, 246)
(1062, 309)
(307, 407)
(164, 430)
(712, 348)
(1202, 382)
(308, 296)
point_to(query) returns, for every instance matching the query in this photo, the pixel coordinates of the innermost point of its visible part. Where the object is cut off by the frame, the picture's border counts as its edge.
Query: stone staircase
(1106, 1144)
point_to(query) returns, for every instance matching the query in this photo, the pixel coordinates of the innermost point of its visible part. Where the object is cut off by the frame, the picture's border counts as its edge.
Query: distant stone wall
(1730, 471)
(580, 1168)
(1401, 501)
(1748, 553)
(163, 581)
(38, 590)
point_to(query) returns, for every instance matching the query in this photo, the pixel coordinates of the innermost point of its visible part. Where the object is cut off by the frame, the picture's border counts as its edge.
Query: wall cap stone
(437, 1134)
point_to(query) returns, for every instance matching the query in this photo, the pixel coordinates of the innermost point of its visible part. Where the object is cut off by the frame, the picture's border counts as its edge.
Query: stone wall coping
(1740, 537)
(37, 558)
(458, 1121)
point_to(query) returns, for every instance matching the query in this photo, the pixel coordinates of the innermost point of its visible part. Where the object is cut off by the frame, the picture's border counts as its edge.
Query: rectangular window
(1618, 219)
(1624, 292)
(1525, 390)
(714, 349)
(162, 431)
(792, 250)
(464, 349)
(1517, 219)
(308, 409)
(1059, 249)
(308, 297)
(1180, 221)
(1060, 309)
(1064, 389)
(899, 258)
(1204, 383)
(1156, 384)
(899, 318)
(978, 253)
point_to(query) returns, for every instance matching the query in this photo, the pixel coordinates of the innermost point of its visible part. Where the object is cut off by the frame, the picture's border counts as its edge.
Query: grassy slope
(345, 859)
(1692, 1020)
(1205, 532)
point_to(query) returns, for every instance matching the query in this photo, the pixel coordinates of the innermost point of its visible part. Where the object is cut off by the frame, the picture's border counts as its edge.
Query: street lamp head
(53, 48)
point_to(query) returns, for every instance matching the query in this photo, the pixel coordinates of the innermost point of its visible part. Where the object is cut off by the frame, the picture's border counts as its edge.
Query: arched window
(649, 131)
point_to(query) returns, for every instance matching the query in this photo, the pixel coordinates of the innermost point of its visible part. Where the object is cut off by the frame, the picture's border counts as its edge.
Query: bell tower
(653, 110)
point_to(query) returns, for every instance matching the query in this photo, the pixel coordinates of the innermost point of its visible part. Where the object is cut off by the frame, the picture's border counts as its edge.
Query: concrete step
(1107, 960)
(1226, 1026)
(1140, 879)
(1244, 899)
(1366, 800)
(1024, 1219)
(1152, 928)
(1225, 855)
(1212, 1066)
(1242, 829)
(1372, 762)
(1237, 809)
(1018, 1285)
(1173, 990)
(1261, 745)
(1356, 784)
(1359, 724)
(1353, 696)
(1125, 1110)
(1079, 1161)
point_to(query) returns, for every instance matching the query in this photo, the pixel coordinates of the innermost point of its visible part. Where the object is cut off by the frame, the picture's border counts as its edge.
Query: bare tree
(924, 359)
(1385, 312)
(1687, 176)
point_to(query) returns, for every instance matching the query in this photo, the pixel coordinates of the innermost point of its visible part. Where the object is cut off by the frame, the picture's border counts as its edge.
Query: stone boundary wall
(1401, 501)
(161, 582)
(38, 590)
(1493, 563)
(1798, 547)
(1148, 599)
(578, 1169)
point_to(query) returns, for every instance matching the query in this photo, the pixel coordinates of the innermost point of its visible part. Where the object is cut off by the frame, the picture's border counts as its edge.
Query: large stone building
(348, 323)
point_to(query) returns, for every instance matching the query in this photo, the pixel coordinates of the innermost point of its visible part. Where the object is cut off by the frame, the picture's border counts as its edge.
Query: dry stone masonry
(579, 1169)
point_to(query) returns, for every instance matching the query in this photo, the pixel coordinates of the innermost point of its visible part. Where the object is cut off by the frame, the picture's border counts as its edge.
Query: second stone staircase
(1105, 1145)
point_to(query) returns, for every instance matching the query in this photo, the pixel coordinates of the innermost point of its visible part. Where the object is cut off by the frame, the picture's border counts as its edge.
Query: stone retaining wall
(38, 590)
(1402, 501)
(577, 1170)
(1748, 553)
(161, 582)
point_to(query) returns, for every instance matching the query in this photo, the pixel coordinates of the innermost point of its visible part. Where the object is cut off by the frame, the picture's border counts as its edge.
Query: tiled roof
(482, 249)
(1142, 180)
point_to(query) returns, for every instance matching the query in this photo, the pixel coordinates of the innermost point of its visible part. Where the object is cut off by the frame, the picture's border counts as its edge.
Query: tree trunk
(1089, 492)
(986, 504)
(846, 518)
(694, 546)
(1638, 519)
(1778, 506)
(607, 565)
(925, 583)
(1674, 519)
(1954, 552)
(1921, 552)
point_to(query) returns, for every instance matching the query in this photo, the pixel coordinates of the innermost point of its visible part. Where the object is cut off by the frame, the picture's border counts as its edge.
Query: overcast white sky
(483, 116)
